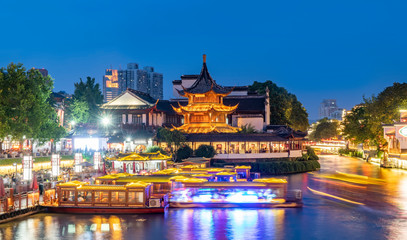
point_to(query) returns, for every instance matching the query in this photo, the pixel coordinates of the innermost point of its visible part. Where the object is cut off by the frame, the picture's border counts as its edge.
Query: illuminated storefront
(396, 137)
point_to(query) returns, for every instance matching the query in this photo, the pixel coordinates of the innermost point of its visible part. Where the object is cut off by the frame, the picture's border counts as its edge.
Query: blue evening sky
(314, 49)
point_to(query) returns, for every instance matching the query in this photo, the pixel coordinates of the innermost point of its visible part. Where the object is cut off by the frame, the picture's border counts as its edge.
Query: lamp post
(106, 120)
(15, 165)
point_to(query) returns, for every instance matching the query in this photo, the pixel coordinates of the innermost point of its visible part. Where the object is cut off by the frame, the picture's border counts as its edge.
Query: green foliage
(10, 161)
(310, 155)
(184, 152)
(278, 167)
(206, 151)
(285, 109)
(351, 153)
(247, 129)
(84, 107)
(324, 129)
(364, 124)
(26, 106)
(357, 126)
(170, 137)
(79, 111)
(153, 149)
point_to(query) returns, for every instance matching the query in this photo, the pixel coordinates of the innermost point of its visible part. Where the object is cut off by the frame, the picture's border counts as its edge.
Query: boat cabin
(81, 194)
(260, 191)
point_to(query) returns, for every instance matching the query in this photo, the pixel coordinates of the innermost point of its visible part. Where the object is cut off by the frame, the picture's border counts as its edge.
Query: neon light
(216, 195)
(403, 131)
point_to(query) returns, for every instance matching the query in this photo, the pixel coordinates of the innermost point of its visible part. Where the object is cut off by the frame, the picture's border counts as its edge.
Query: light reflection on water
(384, 218)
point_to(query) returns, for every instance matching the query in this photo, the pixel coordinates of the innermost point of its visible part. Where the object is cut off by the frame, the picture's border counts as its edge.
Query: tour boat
(81, 197)
(210, 187)
(261, 193)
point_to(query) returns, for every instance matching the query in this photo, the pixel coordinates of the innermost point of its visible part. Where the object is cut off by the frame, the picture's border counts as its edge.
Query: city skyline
(316, 50)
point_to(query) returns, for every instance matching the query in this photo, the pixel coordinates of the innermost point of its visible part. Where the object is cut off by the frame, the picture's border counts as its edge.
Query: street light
(106, 120)
(15, 165)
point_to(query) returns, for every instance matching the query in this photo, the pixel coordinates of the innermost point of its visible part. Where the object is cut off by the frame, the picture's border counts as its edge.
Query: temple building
(205, 111)
(212, 117)
(135, 117)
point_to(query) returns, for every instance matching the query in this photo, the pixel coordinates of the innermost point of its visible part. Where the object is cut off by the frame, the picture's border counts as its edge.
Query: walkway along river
(383, 217)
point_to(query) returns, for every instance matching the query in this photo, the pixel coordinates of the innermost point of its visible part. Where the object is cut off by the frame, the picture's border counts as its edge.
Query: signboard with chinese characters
(97, 158)
(55, 162)
(403, 131)
(78, 160)
(27, 165)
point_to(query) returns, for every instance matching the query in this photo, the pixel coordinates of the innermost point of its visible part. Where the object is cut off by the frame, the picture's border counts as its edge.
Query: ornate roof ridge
(205, 83)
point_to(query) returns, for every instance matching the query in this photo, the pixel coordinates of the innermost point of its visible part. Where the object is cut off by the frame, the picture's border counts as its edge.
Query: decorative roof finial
(204, 58)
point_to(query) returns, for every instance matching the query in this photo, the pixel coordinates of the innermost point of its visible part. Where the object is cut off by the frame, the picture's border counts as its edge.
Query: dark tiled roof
(189, 76)
(239, 88)
(149, 101)
(246, 103)
(205, 83)
(177, 82)
(142, 95)
(285, 131)
(165, 106)
(235, 137)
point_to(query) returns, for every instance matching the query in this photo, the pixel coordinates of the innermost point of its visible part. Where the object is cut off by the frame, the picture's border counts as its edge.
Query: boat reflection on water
(226, 224)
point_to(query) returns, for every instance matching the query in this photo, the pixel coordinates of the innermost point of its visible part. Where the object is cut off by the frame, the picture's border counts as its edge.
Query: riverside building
(206, 113)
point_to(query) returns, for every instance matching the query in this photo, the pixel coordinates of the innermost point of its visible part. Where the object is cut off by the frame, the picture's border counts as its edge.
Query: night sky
(314, 49)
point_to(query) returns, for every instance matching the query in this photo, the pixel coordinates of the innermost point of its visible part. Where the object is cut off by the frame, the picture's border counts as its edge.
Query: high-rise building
(330, 110)
(156, 83)
(110, 85)
(143, 80)
(43, 71)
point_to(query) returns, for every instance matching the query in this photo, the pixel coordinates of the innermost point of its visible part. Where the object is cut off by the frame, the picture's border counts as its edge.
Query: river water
(384, 217)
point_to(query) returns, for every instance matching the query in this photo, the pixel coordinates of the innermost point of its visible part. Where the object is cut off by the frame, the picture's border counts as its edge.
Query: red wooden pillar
(134, 167)
(124, 167)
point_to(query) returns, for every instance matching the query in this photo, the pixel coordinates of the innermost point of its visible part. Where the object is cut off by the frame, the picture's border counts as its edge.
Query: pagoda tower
(205, 111)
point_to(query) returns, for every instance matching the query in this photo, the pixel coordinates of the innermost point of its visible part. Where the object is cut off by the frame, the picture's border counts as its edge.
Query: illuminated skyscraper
(110, 85)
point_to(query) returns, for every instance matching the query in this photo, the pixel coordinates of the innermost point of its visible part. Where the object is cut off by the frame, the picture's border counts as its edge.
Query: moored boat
(261, 193)
(81, 197)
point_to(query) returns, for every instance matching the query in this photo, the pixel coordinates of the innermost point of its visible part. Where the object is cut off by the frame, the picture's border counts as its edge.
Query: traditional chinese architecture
(205, 111)
(208, 120)
(134, 118)
(136, 162)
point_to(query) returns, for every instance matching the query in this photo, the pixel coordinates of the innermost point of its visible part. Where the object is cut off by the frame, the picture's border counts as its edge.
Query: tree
(356, 125)
(170, 137)
(184, 152)
(365, 123)
(153, 149)
(79, 111)
(87, 98)
(285, 109)
(206, 151)
(324, 129)
(247, 129)
(25, 105)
